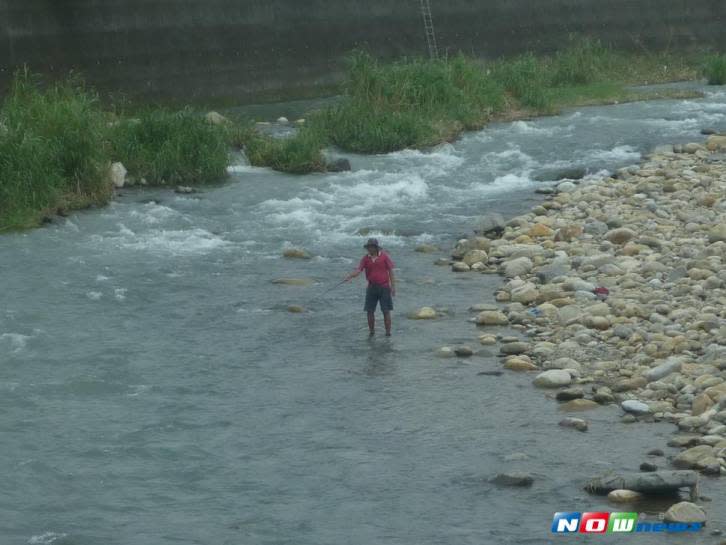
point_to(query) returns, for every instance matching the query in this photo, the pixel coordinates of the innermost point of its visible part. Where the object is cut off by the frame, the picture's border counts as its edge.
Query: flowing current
(155, 390)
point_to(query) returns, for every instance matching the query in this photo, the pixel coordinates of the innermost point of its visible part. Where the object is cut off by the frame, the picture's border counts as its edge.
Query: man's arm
(352, 275)
(356, 272)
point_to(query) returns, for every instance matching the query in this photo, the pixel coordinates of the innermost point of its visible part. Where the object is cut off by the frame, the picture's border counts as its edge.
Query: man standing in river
(381, 284)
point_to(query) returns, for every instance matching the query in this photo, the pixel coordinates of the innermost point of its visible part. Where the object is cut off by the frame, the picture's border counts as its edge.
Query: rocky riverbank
(620, 286)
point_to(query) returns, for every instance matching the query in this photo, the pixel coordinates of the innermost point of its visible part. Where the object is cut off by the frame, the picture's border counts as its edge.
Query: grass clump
(715, 69)
(298, 154)
(524, 79)
(169, 148)
(410, 103)
(52, 152)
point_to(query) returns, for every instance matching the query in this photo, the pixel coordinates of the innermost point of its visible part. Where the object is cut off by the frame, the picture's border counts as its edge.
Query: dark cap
(372, 242)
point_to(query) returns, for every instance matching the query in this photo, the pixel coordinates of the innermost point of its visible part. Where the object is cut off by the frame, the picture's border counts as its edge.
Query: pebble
(635, 407)
(553, 379)
(624, 496)
(685, 512)
(513, 479)
(578, 423)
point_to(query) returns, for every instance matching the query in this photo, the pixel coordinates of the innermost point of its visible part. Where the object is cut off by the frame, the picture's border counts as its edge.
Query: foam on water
(618, 154)
(526, 127)
(163, 241)
(47, 538)
(502, 184)
(153, 213)
(248, 169)
(16, 342)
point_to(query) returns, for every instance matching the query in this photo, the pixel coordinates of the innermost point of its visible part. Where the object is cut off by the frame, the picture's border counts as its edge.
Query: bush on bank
(715, 69)
(52, 153)
(57, 143)
(170, 148)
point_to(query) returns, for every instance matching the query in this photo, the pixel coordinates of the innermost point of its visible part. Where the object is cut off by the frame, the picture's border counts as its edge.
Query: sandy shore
(620, 286)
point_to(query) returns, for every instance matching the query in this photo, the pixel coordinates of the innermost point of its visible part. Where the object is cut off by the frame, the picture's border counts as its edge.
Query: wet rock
(685, 512)
(475, 256)
(658, 482)
(671, 365)
(424, 313)
(717, 234)
(624, 496)
(513, 479)
(296, 253)
(487, 340)
(460, 266)
(568, 233)
(716, 143)
(525, 294)
(620, 236)
(597, 322)
(595, 227)
(515, 348)
(295, 309)
(117, 175)
(569, 394)
(338, 165)
(517, 267)
(492, 225)
(571, 173)
(701, 403)
(655, 452)
(635, 407)
(603, 396)
(446, 352)
(489, 317)
(577, 423)
(282, 120)
(553, 378)
(463, 351)
(577, 405)
(184, 190)
(426, 249)
(694, 458)
(540, 230)
(519, 364)
(648, 466)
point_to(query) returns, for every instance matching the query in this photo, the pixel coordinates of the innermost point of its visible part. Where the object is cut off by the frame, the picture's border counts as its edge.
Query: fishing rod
(325, 292)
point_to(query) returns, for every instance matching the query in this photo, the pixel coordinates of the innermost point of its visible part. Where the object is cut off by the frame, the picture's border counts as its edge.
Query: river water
(154, 389)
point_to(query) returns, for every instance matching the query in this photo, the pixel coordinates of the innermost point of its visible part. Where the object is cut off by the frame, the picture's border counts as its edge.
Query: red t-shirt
(377, 269)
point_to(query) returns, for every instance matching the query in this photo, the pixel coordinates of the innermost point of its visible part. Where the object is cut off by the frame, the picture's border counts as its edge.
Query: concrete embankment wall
(246, 49)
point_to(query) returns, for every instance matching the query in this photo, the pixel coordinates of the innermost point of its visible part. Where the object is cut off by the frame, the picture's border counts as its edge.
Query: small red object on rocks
(602, 293)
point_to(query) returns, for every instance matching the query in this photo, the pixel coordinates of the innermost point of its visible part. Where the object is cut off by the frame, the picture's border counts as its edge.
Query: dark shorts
(374, 294)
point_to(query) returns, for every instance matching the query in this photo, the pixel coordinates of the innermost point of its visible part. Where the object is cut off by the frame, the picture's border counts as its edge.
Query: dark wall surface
(196, 50)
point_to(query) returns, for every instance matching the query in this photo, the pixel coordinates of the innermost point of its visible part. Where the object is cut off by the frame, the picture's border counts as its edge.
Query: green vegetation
(56, 143)
(411, 103)
(170, 148)
(715, 69)
(418, 102)
(298, 154)
(51, 151)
